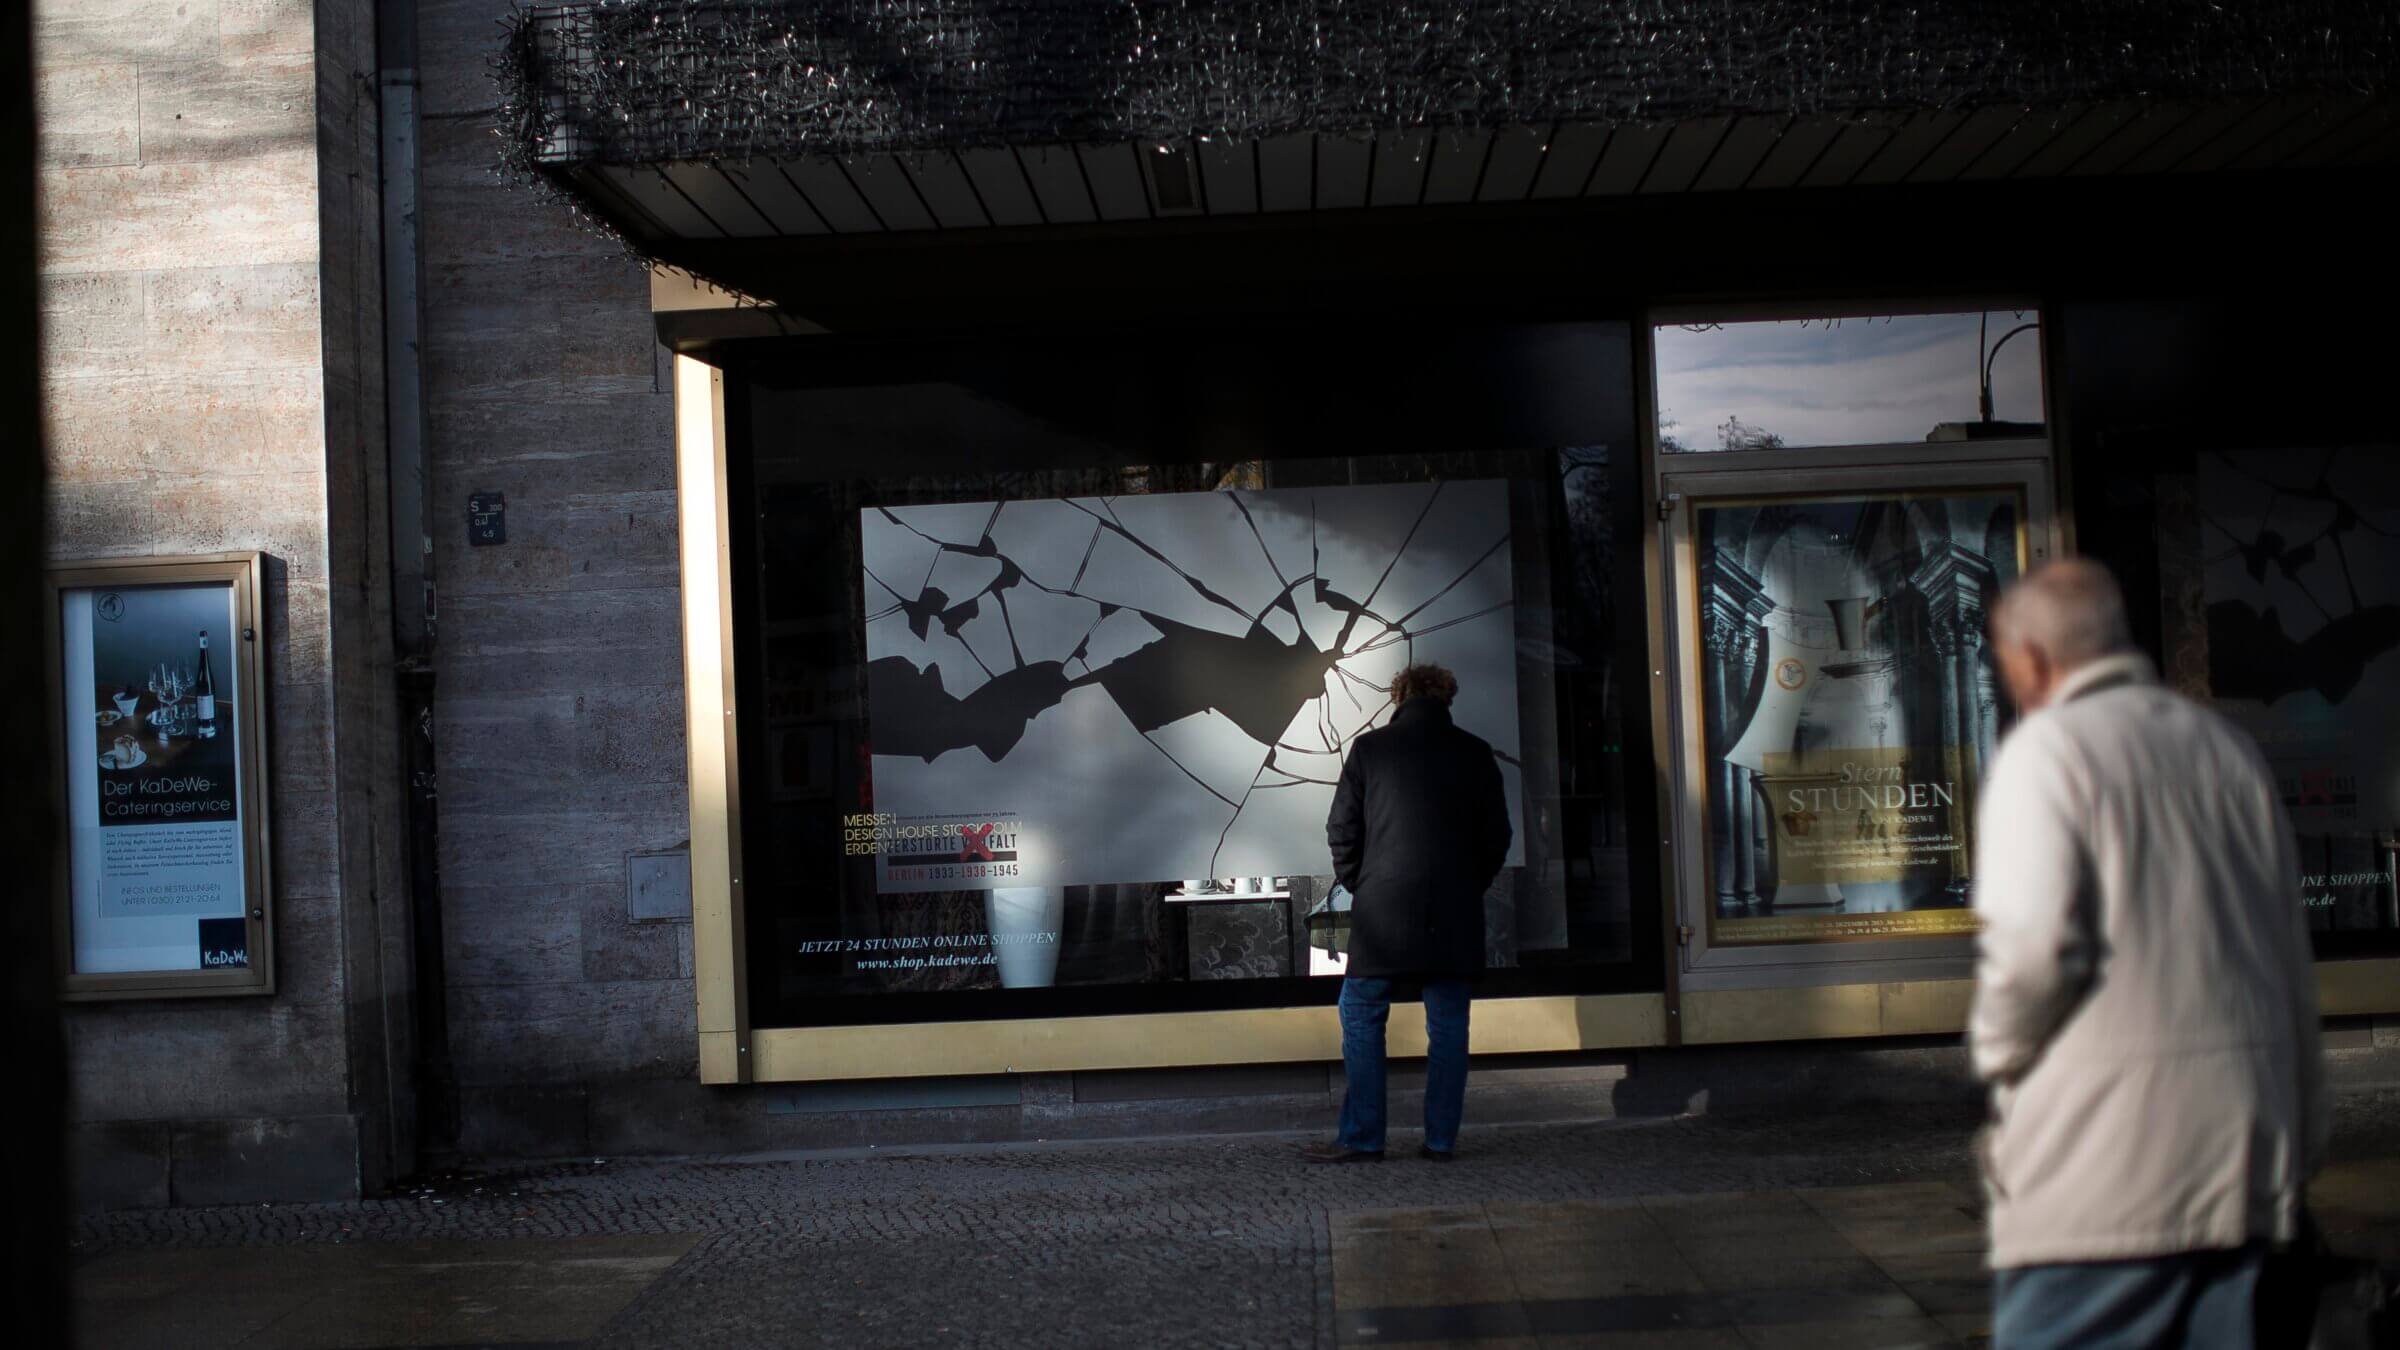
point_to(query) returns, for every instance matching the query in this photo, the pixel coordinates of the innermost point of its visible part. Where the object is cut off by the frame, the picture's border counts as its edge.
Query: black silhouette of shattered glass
(1260, 681)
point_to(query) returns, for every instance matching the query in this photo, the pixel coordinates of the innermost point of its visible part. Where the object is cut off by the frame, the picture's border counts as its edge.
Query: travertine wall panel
(187, 394)
(231, 318)
(245, 27)
(162, 425)
(559, 663)
(209, 1062)
(455, 42)
(223, 109)
(85, 32)
(91, 324)
(90, 115)
(149, 217)
(585, 1032)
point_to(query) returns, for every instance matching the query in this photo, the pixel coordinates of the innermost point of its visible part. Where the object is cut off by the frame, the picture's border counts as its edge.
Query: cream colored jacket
(2145, 1005)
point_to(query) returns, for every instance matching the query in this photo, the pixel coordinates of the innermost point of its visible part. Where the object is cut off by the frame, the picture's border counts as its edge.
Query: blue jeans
(1366, 1005)
(2201, 1300)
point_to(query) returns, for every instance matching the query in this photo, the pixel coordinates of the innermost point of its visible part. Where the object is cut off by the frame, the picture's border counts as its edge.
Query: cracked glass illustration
(1164, 685)
(2300, 564)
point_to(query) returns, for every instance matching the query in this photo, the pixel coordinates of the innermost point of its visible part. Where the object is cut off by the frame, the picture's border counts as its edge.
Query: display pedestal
(1020, 917)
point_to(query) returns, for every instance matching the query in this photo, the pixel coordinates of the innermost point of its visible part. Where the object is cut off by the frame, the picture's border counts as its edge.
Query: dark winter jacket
(1418, 831)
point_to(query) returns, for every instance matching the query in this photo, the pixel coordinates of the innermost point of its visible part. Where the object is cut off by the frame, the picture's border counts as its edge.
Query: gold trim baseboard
(2355, 988)
(1826, 1012)
(1501, 1026)
(1939, 1007)
(1183, 1040)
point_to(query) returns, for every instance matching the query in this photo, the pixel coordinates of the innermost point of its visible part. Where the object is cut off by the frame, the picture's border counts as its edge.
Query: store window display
(1072, 724)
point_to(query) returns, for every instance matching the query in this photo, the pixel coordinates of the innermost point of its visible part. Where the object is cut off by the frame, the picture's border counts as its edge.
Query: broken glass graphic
(1164, 685)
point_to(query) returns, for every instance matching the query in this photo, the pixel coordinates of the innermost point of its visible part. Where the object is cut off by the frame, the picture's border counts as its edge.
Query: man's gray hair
(2071, 609)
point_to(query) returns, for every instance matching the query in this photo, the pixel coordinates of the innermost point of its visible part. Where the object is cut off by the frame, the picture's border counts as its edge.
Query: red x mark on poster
(975, 841)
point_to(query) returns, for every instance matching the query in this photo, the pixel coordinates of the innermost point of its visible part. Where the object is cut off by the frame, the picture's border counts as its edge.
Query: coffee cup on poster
(126, 703)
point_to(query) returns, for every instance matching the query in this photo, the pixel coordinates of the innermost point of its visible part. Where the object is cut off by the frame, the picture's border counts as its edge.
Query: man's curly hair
(1427, 681)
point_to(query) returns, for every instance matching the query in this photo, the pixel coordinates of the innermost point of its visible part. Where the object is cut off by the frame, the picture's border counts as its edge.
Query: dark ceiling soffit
(2094, 237)
(631, 82)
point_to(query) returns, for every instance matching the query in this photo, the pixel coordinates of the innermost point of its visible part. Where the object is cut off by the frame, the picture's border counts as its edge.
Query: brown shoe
(1335, 1153)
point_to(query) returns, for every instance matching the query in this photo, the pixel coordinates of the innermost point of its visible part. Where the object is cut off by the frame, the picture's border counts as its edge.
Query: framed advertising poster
(1839, 702)
(159, 768)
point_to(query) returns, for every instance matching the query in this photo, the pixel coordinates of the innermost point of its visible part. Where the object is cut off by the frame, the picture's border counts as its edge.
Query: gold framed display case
(1832, 706)
(159, 775)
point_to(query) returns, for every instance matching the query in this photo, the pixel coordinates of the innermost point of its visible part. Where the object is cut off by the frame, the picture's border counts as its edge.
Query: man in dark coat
(1419, 829)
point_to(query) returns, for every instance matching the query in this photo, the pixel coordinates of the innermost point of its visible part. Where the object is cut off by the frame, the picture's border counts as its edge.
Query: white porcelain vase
(1025, 924)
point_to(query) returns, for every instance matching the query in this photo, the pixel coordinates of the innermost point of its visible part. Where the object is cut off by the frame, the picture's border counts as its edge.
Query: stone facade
(211, 377)
(558, 656)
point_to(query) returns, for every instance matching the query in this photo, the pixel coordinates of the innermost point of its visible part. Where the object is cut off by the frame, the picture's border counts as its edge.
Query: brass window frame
(1703, 962)
(1815, 1000)
(733, 1051)
(244, 573)
(1747, 992)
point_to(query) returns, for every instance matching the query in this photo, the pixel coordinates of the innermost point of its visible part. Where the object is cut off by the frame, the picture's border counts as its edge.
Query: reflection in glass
(2300, 573)
(1889, 380)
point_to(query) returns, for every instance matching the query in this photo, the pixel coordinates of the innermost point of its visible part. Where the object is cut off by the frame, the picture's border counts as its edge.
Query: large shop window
(1049, 653)
(2234, 465)
(2280, 602)
(2300, 581)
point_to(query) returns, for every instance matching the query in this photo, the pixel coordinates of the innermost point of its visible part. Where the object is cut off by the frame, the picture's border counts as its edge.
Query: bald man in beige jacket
(2145, 1007)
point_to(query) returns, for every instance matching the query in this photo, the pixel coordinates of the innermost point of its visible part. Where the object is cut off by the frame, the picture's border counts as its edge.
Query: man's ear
(2040, 676)
(2020, 672)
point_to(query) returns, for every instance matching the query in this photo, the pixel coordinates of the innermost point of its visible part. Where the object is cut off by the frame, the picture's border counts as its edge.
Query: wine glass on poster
(161, 695)
(187, 708)
(167, 685)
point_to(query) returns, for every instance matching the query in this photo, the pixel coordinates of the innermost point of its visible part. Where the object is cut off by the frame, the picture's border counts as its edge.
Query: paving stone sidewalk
(1194, 1241)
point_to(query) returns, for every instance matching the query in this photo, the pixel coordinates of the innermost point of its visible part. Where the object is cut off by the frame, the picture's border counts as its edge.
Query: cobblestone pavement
(1192, 1241)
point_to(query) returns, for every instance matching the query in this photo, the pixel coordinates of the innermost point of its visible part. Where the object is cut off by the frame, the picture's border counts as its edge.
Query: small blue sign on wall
(487, 518)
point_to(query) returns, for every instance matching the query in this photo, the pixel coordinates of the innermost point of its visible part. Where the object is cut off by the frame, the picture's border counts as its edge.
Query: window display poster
(154, 792)
(2301, 578)
(1848, 705)
(1107, 689)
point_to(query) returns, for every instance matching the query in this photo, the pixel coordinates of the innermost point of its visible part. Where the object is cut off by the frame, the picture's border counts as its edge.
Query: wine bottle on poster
(204, 687)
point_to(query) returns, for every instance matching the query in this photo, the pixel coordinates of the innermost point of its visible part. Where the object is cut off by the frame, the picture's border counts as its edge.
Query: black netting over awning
(651, 81)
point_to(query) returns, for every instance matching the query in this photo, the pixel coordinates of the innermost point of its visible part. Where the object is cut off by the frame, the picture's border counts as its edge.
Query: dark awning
(676, 123)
